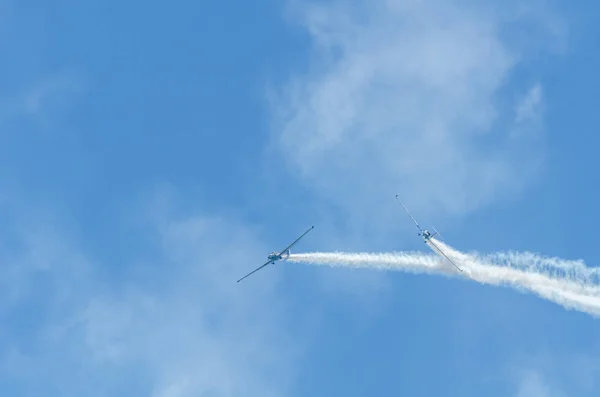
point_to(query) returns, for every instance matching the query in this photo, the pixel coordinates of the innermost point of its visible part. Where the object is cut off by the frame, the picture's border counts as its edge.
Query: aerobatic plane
(274, 256)
(427, 236)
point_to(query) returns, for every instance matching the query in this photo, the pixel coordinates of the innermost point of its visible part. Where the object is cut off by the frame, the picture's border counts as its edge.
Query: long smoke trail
(571, 284)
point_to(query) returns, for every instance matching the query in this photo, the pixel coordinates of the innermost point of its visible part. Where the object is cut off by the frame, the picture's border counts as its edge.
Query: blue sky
(150, 155)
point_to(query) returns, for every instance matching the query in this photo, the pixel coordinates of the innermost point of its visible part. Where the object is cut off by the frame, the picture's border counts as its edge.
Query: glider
(274, 256)
(427, 236)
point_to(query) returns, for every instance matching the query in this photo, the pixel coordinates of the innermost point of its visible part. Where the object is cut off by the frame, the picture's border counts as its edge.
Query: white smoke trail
(571, 284)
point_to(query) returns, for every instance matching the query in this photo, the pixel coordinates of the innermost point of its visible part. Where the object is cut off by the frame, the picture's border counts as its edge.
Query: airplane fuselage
(426, 235)
(273, 256)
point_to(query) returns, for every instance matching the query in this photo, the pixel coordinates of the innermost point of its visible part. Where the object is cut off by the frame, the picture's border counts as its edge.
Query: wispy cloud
(532, 384)
(179, 326)
(406, 96)
(51, 93)
(554, 373)
(528, 109)
(43, 100)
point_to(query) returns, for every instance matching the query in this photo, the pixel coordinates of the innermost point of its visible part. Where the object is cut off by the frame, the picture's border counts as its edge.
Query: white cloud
(180, 326)
(203, 333)
(406, 97)
(528, 108)
(559, 372)
(37, 259)
(53, 92)
(532, 384)
(44, 100)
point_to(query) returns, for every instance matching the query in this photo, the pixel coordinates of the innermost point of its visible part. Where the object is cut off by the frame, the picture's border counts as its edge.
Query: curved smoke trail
(571, 284)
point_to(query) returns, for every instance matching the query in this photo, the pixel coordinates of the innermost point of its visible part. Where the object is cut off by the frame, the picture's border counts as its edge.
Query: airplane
(274, 256)
(427, 236)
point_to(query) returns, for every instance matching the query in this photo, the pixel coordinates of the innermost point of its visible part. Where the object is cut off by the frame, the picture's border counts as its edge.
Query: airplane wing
(255, 270)
(411, 217)
(298, 239)
(442, 252)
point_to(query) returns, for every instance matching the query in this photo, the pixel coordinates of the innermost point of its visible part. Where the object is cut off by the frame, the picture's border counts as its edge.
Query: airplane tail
(436, 233)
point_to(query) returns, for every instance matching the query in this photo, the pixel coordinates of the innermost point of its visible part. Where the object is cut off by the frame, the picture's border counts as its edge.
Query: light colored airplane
(428, 237)
(274, 256)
